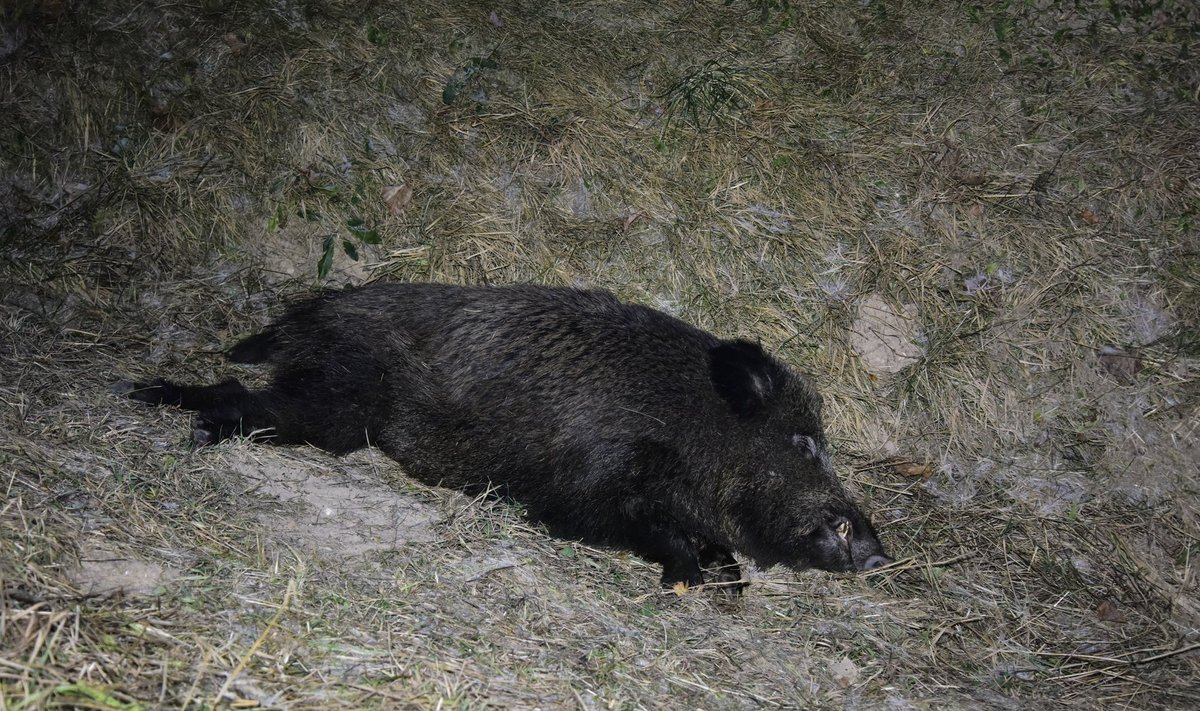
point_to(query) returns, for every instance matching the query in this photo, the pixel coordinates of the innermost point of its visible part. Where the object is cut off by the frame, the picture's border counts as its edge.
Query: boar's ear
(744, 375)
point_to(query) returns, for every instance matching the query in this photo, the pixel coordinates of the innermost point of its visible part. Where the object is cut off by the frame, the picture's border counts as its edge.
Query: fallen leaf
(326, 262)
(1108, 611)
(235, 41)
(397, 197)
(494, 18)
(844, 672)
(680, 588)
(913, 469)
(1089, 217)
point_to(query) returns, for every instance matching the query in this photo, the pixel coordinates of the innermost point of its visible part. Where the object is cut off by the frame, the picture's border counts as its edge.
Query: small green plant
(711, 93)
(377, 35)
(359, 230)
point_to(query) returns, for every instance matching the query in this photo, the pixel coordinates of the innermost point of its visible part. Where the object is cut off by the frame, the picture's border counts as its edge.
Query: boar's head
(781, 501)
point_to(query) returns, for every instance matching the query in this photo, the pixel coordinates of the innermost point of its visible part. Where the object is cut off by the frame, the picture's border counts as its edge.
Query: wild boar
(612, 423)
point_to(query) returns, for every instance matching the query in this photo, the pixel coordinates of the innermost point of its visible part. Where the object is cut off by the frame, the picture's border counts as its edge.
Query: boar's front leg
(722, 567)
(658, 542)
(679, 561)
(682, 562)
(626, 519)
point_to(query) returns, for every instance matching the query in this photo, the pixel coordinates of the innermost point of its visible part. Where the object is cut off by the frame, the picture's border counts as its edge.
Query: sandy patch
(103, 570)
(885, 339)
(340, 511)
(294, 251)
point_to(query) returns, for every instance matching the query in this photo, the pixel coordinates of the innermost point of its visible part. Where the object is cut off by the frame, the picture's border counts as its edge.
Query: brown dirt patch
(342, 512)
(103, 570)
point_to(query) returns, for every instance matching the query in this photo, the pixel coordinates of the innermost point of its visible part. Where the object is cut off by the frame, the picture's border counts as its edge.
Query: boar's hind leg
(223, 410)
(189, 397)
(302, 406)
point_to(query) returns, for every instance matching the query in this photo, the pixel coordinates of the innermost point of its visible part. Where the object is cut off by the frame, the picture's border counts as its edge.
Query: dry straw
(1005, 192)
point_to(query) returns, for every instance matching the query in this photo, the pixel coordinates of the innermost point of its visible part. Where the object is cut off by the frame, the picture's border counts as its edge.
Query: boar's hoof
(680, 572)
(208, 430)
(728, 582)
(722, 569)
(202, 436)
(122, 387)
(729, 577)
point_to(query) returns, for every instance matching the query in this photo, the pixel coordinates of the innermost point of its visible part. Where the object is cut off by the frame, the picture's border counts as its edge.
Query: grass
(1016, 181)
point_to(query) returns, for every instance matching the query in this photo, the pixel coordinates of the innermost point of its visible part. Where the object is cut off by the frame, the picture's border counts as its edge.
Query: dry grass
(1020, 185)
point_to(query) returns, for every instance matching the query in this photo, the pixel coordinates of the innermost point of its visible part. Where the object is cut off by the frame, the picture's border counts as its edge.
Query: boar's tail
(255, 349)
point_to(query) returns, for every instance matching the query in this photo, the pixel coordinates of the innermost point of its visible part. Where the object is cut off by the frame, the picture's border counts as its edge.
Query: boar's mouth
(864, 551)
(827, 533)
(842, 542)
(872, 560)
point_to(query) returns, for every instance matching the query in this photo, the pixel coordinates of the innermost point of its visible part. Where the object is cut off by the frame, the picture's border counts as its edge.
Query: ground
(973, 225)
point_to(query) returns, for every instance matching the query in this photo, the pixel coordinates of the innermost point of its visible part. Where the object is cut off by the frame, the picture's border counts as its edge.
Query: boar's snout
(875, 561)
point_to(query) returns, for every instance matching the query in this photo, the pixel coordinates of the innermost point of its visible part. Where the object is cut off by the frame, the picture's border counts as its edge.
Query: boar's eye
(807, 445)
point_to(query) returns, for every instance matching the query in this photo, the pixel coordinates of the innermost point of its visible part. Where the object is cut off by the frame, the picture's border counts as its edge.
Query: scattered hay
(975, 226)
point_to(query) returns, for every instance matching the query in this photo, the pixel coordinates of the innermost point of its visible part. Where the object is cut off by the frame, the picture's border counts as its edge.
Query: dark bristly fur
(613, 423)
